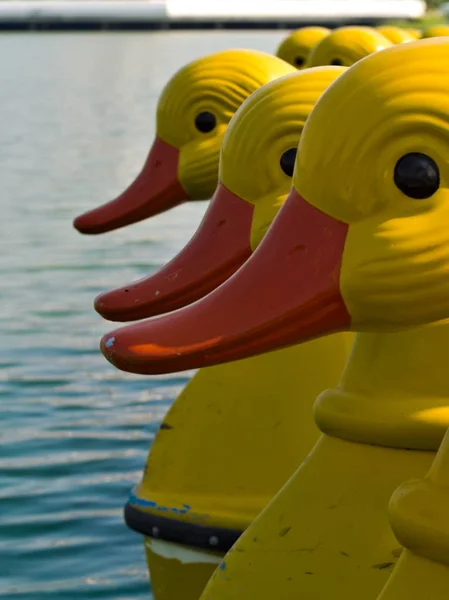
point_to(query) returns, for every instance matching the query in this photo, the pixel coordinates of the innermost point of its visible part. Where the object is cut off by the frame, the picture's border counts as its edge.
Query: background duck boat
(296, 47)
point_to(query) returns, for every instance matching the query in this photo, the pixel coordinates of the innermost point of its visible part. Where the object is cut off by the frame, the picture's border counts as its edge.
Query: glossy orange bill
(218, 248)
(286, 293)
(155, 190)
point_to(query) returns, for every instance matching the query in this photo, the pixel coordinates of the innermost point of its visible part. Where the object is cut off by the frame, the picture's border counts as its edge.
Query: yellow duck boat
(347, 45)
(306, 47)
(362, 251)
(192, 115)
(416, 33)
(296, 47)
(397, 35)
(436, 31)
(193, 112)
(193, 492)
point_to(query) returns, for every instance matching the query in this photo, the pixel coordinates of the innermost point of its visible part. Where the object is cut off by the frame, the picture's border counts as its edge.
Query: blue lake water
(76, 120)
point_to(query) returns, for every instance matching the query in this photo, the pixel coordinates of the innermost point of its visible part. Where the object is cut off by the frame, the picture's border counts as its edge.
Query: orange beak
(218, 248)
(286, 293)
(155, 190)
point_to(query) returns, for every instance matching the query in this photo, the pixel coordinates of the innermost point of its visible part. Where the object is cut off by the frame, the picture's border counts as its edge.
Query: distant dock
(200, 14)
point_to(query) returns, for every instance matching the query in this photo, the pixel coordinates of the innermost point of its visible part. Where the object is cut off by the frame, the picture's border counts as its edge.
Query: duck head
(347, 45)
(436, 31)
(386, 182)
(295, 49)
(397, 35)
(193, 112)
(255, 175)
(416, 33)
(361, 242)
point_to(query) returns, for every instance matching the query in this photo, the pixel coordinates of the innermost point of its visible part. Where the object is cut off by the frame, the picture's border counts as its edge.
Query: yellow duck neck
(329, 524)
(394, 391)
(419, 516)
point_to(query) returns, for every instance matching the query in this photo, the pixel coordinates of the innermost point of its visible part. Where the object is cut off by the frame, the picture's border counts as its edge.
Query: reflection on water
(76, 119)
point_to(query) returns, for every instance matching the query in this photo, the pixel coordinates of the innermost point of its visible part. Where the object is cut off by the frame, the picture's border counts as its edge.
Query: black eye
(417, 175)
(288, 161)
(337, 62)
(299, 61)
(205, 122)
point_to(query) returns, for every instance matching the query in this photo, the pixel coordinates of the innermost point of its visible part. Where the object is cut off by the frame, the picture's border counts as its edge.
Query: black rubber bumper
(216, 539)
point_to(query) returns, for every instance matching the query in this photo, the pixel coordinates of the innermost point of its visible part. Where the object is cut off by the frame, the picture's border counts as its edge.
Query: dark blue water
(76, 119)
